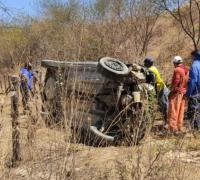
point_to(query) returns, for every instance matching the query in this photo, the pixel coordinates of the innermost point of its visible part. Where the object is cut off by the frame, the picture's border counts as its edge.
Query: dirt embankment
(49, 155)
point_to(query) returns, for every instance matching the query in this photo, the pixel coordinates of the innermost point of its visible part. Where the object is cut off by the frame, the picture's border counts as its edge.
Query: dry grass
(49, 154)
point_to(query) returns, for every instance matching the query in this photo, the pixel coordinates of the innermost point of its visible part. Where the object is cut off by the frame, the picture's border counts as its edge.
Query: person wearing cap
(176, 96)
(148, 63)
(193, 91)
(161, 90)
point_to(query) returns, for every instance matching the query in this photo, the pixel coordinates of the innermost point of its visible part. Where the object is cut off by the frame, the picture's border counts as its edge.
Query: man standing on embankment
(193, 91)
(176, 97)
(26, 81)
(162, 91)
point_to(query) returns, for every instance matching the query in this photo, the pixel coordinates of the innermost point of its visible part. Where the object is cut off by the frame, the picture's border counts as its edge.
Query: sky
(26, 6)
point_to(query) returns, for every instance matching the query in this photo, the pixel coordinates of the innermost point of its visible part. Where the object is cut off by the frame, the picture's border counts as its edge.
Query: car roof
(53, 63)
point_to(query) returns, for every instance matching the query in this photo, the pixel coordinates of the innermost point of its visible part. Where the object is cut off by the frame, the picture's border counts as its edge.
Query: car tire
(84, 133)
(110, 67)
(51, 100)
(50, 88)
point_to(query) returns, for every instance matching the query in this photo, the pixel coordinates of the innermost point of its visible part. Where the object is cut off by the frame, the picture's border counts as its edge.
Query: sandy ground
(47, 154)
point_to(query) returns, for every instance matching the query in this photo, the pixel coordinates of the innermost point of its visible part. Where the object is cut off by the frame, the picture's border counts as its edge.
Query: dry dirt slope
(49, 155)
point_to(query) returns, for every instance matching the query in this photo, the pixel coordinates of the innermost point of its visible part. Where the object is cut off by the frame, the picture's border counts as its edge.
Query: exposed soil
(47, 154)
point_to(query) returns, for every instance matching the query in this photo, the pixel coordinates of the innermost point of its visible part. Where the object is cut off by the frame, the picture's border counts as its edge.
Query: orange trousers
(176, 111)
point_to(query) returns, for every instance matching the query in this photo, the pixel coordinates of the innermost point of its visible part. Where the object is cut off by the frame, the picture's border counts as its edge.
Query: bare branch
(198, 8)
(186, 21)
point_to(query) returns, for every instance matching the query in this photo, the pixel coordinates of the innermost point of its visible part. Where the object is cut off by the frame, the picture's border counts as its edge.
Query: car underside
(104, 102)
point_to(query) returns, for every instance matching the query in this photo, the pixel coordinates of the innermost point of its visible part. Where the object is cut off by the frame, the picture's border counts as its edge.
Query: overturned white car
(102, 102)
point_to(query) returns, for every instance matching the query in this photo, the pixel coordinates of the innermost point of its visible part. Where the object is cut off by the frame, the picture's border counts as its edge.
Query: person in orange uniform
(176, 96)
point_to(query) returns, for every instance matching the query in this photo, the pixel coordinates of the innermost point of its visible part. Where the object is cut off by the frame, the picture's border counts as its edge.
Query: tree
(144, 17)
(100, 9)
(4, 10)
(141, 17)
(130, 25)
(187, 14)
(60, 12)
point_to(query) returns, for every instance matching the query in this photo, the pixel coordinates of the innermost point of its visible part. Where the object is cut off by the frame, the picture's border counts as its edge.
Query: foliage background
(74, 30)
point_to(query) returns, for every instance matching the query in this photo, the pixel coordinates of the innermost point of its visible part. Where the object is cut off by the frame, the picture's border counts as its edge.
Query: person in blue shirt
(193, 91)
(27, 73)
(26, 83)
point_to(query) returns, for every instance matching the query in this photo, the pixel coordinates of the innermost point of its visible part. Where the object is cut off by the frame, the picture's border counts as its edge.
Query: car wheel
(112, 67)
(50, 88)
(51, 101)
